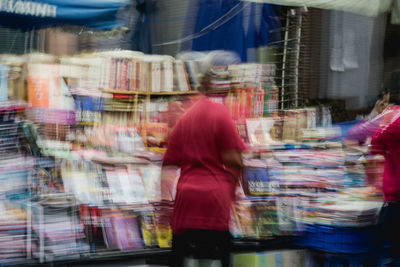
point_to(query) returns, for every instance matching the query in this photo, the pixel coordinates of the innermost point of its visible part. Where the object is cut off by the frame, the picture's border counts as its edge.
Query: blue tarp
(98, 14)
(232, 35)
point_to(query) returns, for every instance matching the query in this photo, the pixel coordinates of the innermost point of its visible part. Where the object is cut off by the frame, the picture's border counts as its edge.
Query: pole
(284, 61)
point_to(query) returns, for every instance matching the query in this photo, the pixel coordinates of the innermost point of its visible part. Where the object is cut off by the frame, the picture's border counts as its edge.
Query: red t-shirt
(386, 142)
(205, 190)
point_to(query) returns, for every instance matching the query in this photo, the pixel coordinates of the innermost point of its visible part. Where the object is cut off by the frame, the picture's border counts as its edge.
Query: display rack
(148, 96)
(288, 58)
(99, 171)
(160, 256)
(151, 93)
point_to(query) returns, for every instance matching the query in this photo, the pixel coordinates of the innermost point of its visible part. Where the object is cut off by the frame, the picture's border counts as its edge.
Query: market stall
(91, 134)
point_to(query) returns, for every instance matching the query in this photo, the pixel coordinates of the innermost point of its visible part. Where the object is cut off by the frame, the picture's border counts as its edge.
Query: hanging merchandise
(362, 7)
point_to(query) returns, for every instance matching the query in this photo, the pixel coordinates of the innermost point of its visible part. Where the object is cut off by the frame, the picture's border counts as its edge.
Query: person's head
(215, 58)
(391, 90)
(384, 97)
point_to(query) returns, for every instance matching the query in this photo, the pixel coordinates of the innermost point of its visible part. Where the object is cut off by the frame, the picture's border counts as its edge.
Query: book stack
(46, 177)
(127, 71)
(88, 105)
(245, 103)
(291, 126)
(57, 229)
(156, 135)
(347, 213)
(194, 70)
(82, 71)
(256, 178)
(119, 105)
(52, 107)
(181, 77)
(15, 167)
(256, 74)
(14, 238)
(261, 76)
(115, 139)
(148, 228)
(126, 228)
(271, 100)
(252, 92)
(126, 186)
(162, 219)
(120, 207)
(91, 219)
(123, 71)
(220, 78)
(121, 230)
(13, 80)
(157, 73)
(256, 217)
(48, 95)
(318, 169)
(83, 180)
(262, 132)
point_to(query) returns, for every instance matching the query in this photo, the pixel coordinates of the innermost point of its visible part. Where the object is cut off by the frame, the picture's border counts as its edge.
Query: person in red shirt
(386, 142)
(206, 146)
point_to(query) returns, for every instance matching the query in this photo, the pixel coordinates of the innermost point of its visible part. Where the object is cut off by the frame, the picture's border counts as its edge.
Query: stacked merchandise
(94, 187)
(193, 62)
(308, 126)
(126, 71)
(132, 78)
(297, 162)
(15, 166)
(260, 76)
(88, 105)
(121, 230)
(52, 107)
(256, 218)
(248, 90)
(56, 229)
(97, 120)
(97, 208)
(364, 170)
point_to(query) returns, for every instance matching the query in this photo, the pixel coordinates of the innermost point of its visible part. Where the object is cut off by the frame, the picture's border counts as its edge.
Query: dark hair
(392, 86)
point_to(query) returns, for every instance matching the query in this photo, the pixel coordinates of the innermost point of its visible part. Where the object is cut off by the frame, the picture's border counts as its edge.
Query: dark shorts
(201, 244)
(389, 221)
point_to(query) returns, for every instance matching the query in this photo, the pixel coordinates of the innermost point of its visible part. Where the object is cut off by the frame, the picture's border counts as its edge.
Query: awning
(98, 14)
(362, 7)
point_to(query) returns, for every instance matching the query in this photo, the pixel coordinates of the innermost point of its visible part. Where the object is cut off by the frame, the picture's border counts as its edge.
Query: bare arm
(232, 160)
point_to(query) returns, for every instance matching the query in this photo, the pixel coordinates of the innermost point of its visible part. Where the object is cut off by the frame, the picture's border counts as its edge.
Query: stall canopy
(28, 14)
(362, 7)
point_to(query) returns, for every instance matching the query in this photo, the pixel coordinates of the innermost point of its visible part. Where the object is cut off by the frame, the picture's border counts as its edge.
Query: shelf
(151, 93)
(104, 257)
(219, 91)
(271, 243)
(114, 255)
(109, 257)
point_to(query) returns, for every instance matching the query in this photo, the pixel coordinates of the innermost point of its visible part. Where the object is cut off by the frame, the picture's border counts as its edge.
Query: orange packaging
(43, 83)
